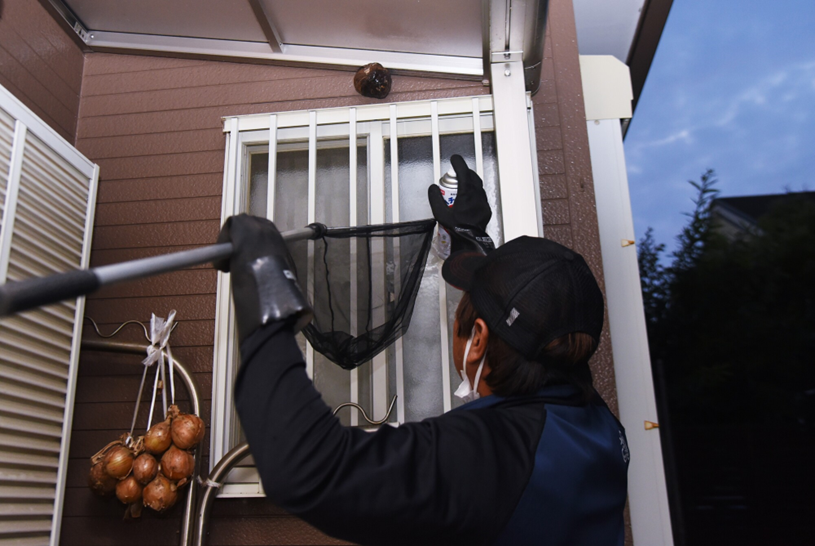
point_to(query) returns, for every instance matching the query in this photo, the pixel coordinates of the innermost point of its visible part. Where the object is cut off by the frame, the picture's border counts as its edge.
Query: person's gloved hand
(466, 220)
(264, 287)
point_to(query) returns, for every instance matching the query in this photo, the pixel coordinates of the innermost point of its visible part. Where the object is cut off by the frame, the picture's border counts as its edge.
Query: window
(354, 166)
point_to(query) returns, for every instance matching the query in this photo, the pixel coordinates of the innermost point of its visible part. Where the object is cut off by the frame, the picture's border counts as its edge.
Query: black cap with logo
(530, 291)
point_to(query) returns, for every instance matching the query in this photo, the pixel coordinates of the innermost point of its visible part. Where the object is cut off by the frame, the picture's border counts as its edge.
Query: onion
(160, 494)
(187, 430)
(177, 464)
(145, 468)
(99, 481)
(118, 462)
(129, 490)
(158, 438)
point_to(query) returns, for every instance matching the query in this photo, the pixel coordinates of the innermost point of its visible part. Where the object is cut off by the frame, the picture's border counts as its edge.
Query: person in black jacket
(534, 457)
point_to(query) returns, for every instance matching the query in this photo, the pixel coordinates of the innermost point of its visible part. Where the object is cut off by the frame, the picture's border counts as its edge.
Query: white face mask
(464, 391)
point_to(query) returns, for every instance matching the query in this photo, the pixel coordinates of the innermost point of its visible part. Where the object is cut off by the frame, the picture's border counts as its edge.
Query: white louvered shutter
(47, 203)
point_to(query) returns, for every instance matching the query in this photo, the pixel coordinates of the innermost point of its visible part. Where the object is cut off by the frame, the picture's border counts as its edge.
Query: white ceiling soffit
(428, 36)
(607, 27)
(421, 35)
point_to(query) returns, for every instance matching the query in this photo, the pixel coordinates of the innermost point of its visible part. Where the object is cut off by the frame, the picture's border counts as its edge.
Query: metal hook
(116, 331)
(365, 415)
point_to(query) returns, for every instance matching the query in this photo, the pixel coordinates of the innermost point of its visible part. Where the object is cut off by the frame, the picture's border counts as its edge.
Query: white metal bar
(365, 113)
(30, 427)
(376, 169)
(31, 347)
(536, 179)
(61, 239)
(353, 214)
(479, 147)
(515, 174)
(44, 132)
(44, 167)
(29, 459)
(312, 217)
(224, 352)
(27, 410)
(443, 337)
(12, 191)
(448, 64)
(271, 176)
(32, 379)
(28, 235)
(398, 348)
(74, 364)
(28, 443)
(20, 358)
(41, 202)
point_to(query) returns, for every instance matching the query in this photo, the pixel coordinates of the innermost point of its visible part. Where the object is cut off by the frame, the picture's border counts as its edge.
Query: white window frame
(246, 134)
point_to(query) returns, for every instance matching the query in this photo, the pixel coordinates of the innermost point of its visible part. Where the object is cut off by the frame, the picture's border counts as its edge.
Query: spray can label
(448, 185)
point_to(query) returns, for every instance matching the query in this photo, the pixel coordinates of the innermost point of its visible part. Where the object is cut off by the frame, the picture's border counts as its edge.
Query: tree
(732, 324)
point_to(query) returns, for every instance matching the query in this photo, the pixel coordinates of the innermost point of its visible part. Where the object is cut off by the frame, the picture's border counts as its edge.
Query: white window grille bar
(443, 339)
(224, 317)
(373, 112)
(271, 176)
(379, 365)
(12, 191)
(399, 365)
(352, 221)
(530, 116)
(312, 217)
(67, 422)
(479, 151)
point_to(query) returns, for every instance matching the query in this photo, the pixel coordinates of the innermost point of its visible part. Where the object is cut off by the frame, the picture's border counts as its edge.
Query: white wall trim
(607, 91)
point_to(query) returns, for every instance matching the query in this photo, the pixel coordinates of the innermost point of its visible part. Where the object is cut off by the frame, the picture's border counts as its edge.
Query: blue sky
(732, 87)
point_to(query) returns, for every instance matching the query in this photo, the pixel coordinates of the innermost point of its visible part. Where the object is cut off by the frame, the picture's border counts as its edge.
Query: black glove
(466, 220)
(264, 287)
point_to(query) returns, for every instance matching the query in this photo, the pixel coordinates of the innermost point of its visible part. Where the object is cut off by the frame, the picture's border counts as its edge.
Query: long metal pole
(30, 293)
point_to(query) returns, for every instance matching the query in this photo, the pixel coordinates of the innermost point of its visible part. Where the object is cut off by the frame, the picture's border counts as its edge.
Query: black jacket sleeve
(454, 479)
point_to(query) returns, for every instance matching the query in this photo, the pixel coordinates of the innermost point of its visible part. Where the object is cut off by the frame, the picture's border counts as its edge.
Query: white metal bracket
(515, 173)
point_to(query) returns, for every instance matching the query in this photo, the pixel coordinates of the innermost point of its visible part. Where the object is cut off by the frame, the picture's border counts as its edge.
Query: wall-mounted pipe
(216, 477)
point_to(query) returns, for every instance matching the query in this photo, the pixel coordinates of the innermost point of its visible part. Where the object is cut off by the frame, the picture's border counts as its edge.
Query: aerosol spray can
(448, 184)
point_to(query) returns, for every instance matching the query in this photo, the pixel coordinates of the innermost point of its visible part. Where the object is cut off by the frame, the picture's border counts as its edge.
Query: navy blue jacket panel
(539, 469)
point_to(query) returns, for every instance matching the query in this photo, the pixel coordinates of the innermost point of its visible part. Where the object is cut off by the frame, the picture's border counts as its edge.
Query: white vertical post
(479, 148)
(225, 351)
(12, 190)
(352, 221)
(515, 174)
(377, 215)
(444, 342)
(647, 491)
(271, 177)
(312, 217)
(398, 349)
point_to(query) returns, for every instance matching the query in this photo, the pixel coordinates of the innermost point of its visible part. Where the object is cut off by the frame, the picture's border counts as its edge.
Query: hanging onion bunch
(150, 470)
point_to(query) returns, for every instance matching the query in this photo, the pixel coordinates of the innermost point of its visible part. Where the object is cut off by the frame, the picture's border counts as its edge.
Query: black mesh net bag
(362, 283)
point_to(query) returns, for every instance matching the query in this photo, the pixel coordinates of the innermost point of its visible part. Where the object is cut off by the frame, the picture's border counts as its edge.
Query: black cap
(530, 292)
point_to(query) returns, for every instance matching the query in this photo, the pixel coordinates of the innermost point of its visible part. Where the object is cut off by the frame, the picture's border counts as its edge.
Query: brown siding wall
(154, 126)
(40, 64)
